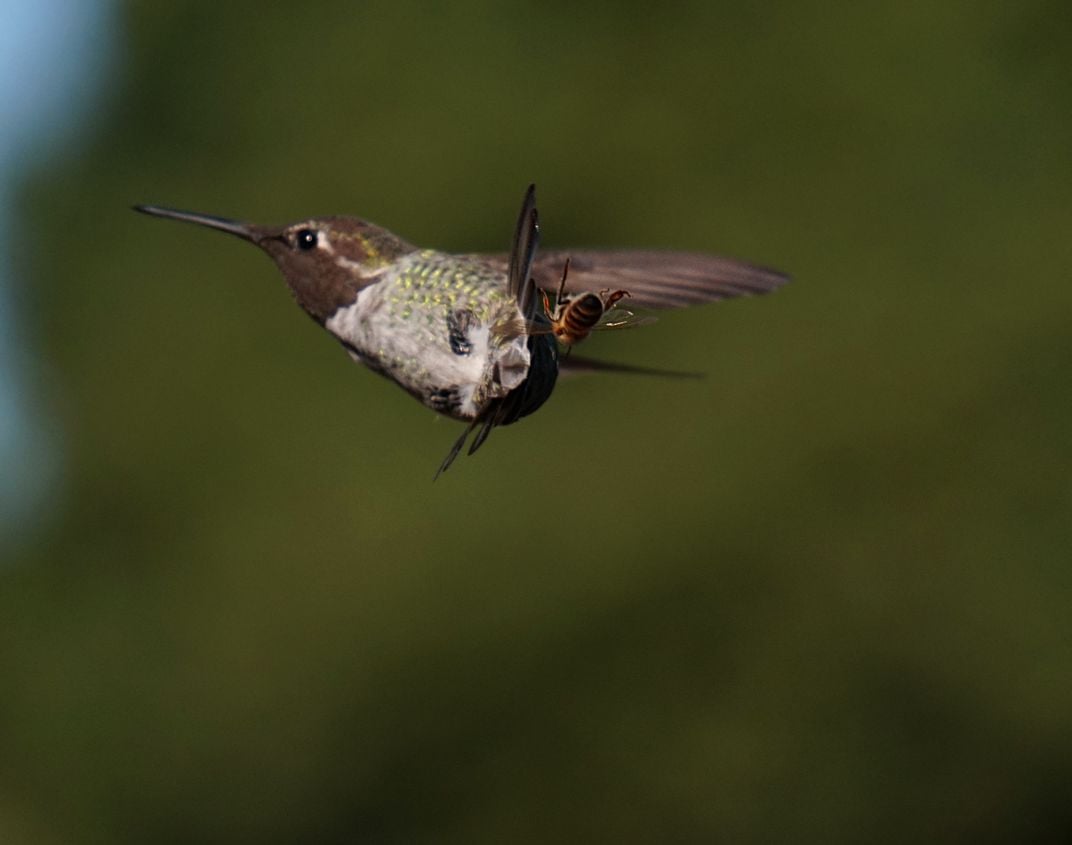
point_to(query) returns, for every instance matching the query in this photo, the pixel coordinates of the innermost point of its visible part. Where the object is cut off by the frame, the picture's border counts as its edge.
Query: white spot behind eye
(323, 243)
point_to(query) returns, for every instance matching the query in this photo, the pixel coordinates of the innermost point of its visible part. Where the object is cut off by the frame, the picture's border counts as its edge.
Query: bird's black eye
(306, 239)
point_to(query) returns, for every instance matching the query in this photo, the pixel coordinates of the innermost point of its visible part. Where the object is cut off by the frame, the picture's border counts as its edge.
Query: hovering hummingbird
(465, 334)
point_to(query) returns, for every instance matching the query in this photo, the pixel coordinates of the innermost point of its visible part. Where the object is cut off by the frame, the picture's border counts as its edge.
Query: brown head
(325, 260)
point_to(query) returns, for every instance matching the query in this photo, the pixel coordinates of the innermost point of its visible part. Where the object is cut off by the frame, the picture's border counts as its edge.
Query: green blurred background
(823, 594)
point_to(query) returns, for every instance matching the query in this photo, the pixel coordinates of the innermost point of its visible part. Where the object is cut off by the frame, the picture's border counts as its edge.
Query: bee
(574, 317)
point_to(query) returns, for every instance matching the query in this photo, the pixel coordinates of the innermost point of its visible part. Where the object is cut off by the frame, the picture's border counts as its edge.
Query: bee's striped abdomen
(582, 314)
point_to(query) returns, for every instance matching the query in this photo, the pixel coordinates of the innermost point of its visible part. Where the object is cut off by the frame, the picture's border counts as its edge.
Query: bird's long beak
(246, 231)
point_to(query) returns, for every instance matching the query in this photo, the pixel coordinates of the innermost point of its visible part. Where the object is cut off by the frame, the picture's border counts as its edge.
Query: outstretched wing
(519, 268)
(578, 365)
(654, 279)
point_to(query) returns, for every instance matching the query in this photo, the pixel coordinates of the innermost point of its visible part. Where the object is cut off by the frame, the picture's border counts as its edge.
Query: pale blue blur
(53, 60)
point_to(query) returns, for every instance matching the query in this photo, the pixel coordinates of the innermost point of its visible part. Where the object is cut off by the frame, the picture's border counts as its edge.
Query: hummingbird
(464, 333)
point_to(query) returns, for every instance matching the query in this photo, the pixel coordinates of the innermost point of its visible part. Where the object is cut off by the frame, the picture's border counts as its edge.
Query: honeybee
(574, 317)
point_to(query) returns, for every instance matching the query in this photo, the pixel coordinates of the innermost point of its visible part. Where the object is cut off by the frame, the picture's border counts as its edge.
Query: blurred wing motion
(653, 278)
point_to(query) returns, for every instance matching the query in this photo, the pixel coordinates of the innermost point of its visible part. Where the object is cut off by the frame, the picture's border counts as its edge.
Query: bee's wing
(623, 318)
(654, 279)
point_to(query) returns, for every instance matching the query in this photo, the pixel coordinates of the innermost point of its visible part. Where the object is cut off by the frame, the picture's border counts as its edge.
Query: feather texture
(654, 278)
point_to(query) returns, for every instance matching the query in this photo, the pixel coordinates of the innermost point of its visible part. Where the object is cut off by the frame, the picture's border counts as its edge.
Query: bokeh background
(823, 594)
